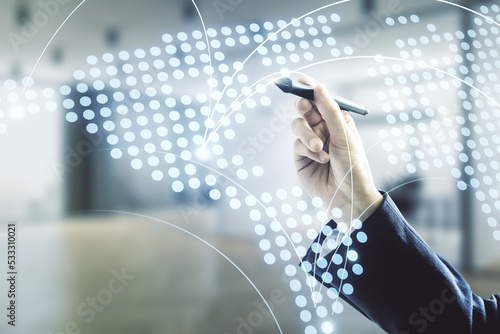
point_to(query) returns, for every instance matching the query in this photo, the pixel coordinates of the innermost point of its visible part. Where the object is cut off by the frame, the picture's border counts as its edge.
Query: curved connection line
(331, 201)
(368, 57)
(416, 180)
(443, 1)
(272, 35)
(215, 130)
(349, 172)
(239, 186)
(337, 243)
(30, 78)
(352, 165)
(351, 229)
(209, 55)
(199, 239)
(327, 61)
(348, 233)
(233, 108)
(470, 10)
(262, 205)
(351, 213)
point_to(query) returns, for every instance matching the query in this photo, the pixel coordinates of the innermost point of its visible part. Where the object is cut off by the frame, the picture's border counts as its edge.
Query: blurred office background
(103, 110)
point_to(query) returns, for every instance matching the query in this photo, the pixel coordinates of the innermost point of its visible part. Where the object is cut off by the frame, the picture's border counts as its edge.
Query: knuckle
(303, 106)
(297, 123)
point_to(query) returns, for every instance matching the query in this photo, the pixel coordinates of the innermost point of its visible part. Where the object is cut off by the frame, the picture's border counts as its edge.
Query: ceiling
(95, 27)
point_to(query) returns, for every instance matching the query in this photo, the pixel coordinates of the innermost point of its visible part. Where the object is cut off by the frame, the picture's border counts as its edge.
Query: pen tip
(284, 84)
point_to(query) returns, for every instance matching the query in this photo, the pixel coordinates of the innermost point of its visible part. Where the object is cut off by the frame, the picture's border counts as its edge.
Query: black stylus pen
(288, 85)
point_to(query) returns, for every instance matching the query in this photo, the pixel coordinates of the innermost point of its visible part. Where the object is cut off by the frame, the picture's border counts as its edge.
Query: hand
(330, 158)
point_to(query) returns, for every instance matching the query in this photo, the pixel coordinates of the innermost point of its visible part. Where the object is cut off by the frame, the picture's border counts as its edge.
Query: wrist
(369, 204)
(361, 207)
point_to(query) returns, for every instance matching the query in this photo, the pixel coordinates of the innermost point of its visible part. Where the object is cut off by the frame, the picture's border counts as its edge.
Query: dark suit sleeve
(397, 281)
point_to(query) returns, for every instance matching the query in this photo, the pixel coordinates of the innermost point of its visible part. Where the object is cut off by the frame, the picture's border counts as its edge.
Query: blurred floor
(174, 282)
(120, 273)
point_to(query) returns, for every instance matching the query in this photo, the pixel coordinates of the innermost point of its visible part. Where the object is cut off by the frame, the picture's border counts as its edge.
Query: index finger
(329, 110)
(306, 108)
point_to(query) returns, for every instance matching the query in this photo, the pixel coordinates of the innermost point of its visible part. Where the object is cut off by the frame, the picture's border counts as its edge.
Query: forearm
(404, 286)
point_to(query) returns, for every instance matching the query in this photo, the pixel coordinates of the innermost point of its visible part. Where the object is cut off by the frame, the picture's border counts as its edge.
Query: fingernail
(323, 157)
(314, 142)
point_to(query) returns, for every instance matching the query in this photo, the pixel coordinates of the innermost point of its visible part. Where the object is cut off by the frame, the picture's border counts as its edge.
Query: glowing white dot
(140, 53)
(92, 60)
(133, 151)
(222, 163)
(266, 197)
(257, 171)
(105, 112)
(210, 180)
(92, 128)
(194, 183)
(33, 108)
(231, 191)
(292, 223)
(169, 158)
(186, 155)
(218, 149)
(136, 164)
(167, 38)
(79, 75)
(123, 55)
(214, 194)
(153, 161)
(178, 128)
(112, 139)
(157, 175)
(146, 134)
(174, 172)
(95, 72)
(178, 74)
(71, 117)
(237, 160)
(48, 92)
(177, 186)
(269, 258)
(242, 174)
(116, 153)
(305, 316)
(336, 213)
(234, 203)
